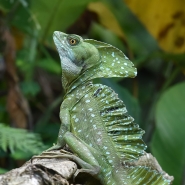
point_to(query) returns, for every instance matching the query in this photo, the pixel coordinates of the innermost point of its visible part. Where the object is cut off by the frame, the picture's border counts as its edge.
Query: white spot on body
(76, 120)
(103, 95)
(94, 126)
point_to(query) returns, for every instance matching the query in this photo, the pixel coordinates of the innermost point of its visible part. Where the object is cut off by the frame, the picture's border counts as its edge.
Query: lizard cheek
(68, 66)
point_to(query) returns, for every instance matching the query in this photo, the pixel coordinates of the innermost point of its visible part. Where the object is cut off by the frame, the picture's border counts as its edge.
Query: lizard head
(76, 55)
(86, 59)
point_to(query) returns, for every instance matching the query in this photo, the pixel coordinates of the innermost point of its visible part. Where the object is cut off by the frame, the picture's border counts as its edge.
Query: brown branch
(41, 171)
(48, 170)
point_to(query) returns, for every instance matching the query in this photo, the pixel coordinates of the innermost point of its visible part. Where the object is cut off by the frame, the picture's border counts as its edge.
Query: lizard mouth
(60, 44)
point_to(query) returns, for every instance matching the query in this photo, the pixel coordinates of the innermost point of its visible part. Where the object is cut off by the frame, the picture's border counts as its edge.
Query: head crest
(113, 62)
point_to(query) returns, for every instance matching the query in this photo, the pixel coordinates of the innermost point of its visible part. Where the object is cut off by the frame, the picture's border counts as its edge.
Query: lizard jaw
(66, 56)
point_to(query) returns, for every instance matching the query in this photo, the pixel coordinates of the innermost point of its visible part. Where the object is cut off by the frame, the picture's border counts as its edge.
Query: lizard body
(95, 122)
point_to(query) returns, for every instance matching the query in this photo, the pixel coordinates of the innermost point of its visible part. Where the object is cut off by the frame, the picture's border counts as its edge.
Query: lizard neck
(75, 86)
(85, 77)
(68, 79)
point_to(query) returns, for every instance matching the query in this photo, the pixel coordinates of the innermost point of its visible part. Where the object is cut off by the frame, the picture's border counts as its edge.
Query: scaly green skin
(95, 122)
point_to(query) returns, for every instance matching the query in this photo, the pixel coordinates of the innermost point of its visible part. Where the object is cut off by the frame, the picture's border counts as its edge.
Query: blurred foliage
(170, 119)
(19, 139)
(150, 33)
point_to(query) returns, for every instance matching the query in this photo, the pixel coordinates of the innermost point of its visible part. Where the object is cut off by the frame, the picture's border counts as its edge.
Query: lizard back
(106, 124)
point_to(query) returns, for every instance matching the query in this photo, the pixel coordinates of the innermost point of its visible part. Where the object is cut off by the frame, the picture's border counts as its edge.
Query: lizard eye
(73, 41)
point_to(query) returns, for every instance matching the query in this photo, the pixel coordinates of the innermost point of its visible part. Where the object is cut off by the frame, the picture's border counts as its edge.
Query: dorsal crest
(125, 134)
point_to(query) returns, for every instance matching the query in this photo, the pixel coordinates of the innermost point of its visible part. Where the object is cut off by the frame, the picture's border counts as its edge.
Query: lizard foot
(47, 155)
(62, 152)
(94, 172)
(86, 167)
(54, 147)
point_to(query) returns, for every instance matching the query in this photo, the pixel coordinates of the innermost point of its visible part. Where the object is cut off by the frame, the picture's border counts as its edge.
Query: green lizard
(95, 123)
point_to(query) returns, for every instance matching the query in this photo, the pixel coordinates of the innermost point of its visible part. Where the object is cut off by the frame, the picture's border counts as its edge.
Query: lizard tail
(139, 175)
(147, 171)
(142, 175)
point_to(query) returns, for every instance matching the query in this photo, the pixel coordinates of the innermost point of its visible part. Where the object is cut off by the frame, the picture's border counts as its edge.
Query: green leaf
(5, 5)
(57, 14)
(13, 139)
(18, 13)
(2, 170)
(98, 32)
(135, 33)
(20, 154)
(168, 143)
(30, 88)
(50, 65)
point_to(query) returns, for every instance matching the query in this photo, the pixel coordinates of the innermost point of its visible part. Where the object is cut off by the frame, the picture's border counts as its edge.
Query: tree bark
(42, 171)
